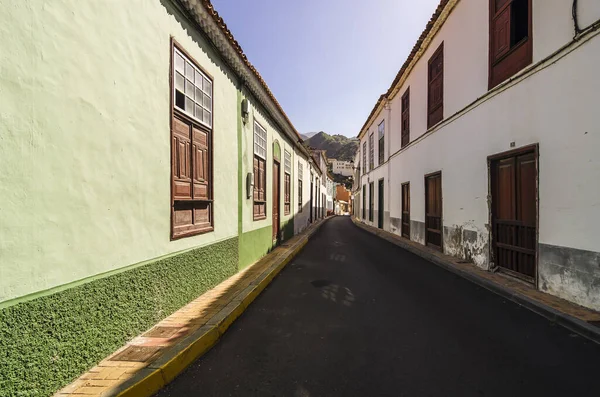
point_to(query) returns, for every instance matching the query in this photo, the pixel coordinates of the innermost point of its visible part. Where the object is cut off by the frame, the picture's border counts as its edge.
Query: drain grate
(320, 283)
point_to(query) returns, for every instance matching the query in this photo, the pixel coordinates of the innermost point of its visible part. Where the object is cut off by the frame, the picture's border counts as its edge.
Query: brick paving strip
(151, 360)
(577, 319)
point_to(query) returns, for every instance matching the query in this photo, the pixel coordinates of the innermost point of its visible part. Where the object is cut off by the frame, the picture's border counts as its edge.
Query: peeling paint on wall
(571, 274)
(417, 231)
(396, 225)
(463, 242)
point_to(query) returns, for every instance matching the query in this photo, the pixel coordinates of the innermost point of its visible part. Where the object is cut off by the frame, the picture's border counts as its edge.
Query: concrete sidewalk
(578, 319)
(150, 361)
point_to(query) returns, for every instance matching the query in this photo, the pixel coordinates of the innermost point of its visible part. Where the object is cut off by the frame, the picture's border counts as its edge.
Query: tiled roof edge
(218, 20)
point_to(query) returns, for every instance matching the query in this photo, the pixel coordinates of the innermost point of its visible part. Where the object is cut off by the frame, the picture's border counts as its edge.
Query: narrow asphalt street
(354, 315)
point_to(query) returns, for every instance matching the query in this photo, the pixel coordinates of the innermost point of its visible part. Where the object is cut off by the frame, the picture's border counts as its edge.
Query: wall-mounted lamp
(245, 110)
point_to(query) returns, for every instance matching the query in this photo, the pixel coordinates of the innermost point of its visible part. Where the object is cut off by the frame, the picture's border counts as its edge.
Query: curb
(158, 374)
(567, 321)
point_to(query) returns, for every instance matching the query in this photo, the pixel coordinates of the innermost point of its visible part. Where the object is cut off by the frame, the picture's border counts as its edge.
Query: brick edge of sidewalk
(143, 379)
(563, 319)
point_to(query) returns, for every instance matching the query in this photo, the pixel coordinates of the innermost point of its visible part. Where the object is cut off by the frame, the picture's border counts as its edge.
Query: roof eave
(207, 18)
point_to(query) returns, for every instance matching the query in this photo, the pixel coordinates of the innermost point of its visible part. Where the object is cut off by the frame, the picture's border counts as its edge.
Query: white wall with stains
(552, 105)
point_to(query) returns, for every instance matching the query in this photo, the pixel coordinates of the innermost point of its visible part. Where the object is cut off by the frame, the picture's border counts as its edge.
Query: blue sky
(327, 61)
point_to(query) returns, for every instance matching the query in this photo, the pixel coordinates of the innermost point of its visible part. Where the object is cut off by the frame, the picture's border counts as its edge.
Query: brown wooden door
(406, 210)
(380, 206)
(276, 197)
(433, 210)
(514, 214)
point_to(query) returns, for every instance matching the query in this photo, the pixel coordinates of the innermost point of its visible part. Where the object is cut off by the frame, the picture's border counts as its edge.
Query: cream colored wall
(84, 131)
(301, 218)
(273, 134)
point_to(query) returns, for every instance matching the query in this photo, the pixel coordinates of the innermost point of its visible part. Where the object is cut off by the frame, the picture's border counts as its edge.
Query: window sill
(511, 51)
(260, 218)
(193, 232)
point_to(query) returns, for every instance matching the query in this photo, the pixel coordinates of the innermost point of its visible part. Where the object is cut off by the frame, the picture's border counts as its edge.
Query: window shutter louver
(256, 180)
(435, 95)
(501, 34)
(261, 173)
(181, 161)
(200, 150)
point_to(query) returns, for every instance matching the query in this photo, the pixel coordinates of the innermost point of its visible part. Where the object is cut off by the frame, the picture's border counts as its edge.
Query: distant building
(342, 167)
(343, 199)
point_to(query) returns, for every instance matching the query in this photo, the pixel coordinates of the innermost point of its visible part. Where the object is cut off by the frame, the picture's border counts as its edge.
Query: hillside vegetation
(336, 146)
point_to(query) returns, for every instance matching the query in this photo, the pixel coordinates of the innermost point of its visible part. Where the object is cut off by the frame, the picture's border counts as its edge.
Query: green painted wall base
(254, 245)
(47, 342)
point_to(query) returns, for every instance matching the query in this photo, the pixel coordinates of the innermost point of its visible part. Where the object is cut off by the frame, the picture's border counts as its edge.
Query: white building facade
(486, 144)
(342, 167)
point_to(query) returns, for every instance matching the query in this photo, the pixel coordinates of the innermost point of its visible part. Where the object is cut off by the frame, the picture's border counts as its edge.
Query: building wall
(551, 106)
(85, 188)
(341, 167)
(85, 200)
(301, 220)
(257, 247)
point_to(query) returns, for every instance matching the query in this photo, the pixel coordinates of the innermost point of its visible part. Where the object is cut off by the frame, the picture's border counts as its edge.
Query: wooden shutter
(500, 40)
(200, 164)
(259, 188)
(256, 179)
(406, 118)
(436, 87)
(286, 193)
(263, 179)
(181, 160)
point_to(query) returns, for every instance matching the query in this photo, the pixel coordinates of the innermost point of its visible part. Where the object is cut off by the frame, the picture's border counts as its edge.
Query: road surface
(354, 315)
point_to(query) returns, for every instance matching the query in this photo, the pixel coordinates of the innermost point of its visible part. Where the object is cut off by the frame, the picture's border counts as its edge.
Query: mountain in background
(308, 135)
(337, 147)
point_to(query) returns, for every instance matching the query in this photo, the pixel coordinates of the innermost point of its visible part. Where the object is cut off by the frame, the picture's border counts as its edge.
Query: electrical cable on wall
(576, 26)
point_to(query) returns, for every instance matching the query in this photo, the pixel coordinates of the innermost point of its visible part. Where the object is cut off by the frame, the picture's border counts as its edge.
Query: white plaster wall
(589, 12)
(553, 23)
(85, 153)
(302, 217)
(554, 108)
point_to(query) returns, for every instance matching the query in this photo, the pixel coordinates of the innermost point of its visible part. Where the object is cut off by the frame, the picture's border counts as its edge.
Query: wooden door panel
(380, 204)
(526, 172)
(514, 216)
(406, 210)
(433, 211)
(505, 189)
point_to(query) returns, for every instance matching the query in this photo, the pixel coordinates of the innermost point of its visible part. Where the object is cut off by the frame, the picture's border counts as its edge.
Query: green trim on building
(47, 342)
(254, 245)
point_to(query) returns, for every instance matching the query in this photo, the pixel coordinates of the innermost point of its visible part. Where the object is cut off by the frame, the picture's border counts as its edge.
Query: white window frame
(260, 141)
(192, 76)
(300, 170)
